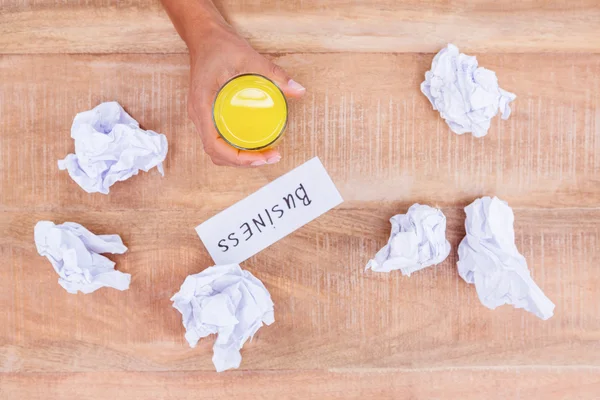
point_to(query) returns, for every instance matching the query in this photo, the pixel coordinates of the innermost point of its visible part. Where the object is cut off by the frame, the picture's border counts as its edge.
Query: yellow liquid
(250, 112)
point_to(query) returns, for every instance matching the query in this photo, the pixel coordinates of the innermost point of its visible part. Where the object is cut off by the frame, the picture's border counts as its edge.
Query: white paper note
(227, 301)
(110, 146)
(418, 240)
(467, 96)
(269, 214)
(74, 252)
(488, 257)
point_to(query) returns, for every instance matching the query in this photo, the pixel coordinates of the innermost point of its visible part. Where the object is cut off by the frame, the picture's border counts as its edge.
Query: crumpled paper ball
(74, 251)
(467, 96)
(227, 301)
(110, 146)
(418, 240)
(488, 257)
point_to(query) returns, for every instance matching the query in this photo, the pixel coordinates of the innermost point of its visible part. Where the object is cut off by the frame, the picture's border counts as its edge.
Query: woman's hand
(221, 55)
(217, 54)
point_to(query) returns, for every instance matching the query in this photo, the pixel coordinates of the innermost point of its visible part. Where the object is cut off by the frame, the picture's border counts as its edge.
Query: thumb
(288, 86)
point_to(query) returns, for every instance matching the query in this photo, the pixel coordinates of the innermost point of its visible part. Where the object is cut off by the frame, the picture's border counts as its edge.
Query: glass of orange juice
(250, 112)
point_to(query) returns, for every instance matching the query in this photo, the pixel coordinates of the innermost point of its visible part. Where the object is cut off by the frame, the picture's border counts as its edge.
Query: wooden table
(340, 332)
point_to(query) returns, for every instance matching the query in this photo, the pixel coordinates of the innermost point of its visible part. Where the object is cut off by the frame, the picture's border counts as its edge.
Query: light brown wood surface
(99, 26)
(340, 332)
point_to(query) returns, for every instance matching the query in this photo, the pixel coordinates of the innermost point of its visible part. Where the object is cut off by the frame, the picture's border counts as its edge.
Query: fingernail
(292, 84)
(258, 163)
(273, 160)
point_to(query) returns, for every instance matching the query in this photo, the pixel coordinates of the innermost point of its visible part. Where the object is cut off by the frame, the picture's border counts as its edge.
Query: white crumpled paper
(466, 96)
(417, 240)
(227, 301)
(74, 254)
(488, 257)
(110, 146)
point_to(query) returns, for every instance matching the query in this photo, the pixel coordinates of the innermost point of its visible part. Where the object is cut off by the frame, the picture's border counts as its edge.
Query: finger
(224, 154)
(288, 86)
(220, 152)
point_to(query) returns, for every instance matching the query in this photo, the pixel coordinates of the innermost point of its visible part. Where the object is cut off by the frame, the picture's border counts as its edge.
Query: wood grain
(340, 332)
(330, 313)
(141, 26)
(364, 116)
(500, 384)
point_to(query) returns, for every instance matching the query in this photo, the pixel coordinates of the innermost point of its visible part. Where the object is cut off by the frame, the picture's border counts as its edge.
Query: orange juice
(250, 112)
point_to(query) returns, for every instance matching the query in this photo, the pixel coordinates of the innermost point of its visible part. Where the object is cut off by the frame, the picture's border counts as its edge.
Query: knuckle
(218, 161)
(239, 160)
(277, 70)
(207, 145)
(209, 149)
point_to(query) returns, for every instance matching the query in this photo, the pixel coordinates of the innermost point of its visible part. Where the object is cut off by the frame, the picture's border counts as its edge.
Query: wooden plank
(141, 26)
(363, 115)
(329, 312)
(492, 384)
(339, 332)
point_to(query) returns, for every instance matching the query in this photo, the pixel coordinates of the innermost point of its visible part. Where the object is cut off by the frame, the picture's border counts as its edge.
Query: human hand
(220, 55)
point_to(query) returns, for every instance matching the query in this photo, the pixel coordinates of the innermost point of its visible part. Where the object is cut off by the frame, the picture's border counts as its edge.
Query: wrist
(203, 32)
(195, 20)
